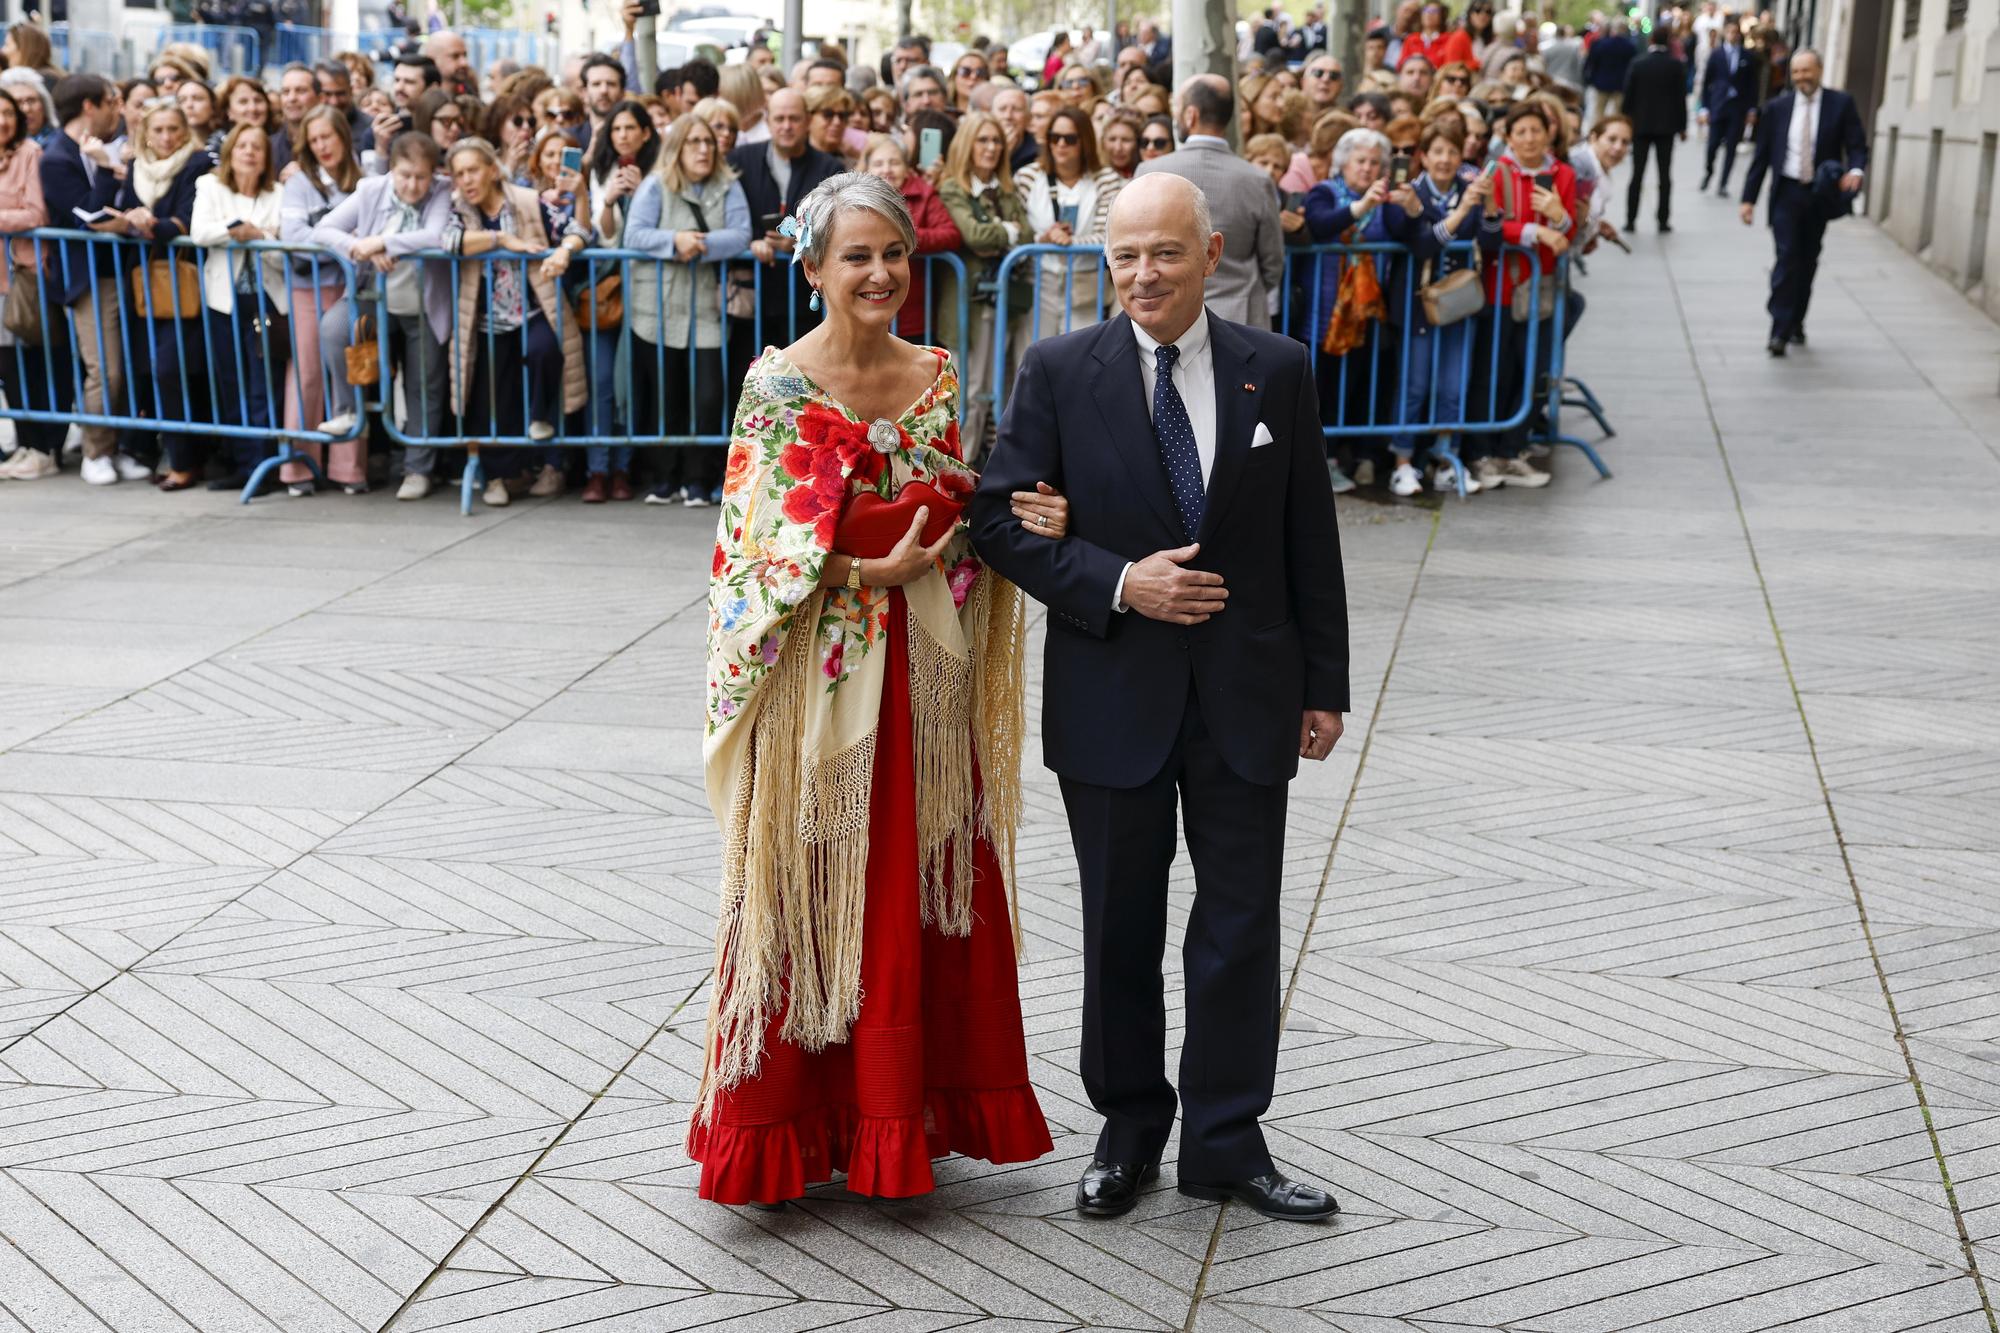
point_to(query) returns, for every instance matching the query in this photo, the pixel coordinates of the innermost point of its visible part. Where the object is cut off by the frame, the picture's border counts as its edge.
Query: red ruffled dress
(936, 1062)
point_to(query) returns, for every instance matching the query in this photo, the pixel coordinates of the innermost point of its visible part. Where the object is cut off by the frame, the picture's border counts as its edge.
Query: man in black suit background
(1656, 103)
(1728, 100)
(1803, 134)
(775, 176)
(1197, 650)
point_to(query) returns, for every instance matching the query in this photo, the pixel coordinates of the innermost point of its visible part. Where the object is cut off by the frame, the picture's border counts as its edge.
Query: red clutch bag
(870, 526)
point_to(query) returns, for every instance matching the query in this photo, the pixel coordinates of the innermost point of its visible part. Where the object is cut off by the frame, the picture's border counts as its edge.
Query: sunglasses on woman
(1155, 141)
(977, 73)
(1065, 139)
(1081, 82)
(563, 117)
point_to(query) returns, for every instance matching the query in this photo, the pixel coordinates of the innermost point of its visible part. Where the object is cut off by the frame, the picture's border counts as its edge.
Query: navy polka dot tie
(1175, 433)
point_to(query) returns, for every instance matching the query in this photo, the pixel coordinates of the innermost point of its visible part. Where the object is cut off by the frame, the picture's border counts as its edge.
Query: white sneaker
(1520, 472)
(339, 425)
(15, 462)
(1488, 474)
(100, 472)
(1445, 481)
(541, 430)
(693, 497)
(130, 468)
(416, 485)
(496, 494)
(1536, 451)
(299, 490)
(1364, 472)
(1405, 480)
(1341, 482)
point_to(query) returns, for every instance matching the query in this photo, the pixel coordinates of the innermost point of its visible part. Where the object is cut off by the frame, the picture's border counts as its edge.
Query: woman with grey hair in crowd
(862, 755)
(1350, 206)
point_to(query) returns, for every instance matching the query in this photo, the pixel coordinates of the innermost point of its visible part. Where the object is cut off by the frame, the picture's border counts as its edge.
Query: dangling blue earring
(814, 303)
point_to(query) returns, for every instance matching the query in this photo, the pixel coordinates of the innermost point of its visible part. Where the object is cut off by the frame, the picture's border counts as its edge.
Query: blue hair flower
(801, 233)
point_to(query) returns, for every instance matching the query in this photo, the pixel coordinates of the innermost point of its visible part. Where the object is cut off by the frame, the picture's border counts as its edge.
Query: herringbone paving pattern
(356, 895)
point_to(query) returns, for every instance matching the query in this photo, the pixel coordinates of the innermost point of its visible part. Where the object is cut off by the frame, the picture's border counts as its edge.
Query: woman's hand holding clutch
(910, 560)
(1043, 511)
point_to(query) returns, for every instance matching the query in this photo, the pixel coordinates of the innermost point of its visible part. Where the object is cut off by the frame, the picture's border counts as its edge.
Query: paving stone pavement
(356, 895)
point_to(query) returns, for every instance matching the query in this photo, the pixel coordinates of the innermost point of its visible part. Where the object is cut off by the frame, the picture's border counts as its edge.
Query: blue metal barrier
(306, 45)
(220, 373)
(1362, 393)
(85, 49)
(733, 308)
(235, 50)
(527, 47)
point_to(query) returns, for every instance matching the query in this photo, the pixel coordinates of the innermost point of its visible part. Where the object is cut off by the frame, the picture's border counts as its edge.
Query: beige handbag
(1456, 296)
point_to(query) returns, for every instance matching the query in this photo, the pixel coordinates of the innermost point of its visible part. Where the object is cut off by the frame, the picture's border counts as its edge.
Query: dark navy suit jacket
(1723, 91)
(66, 186)
(1840, 138)
(1117, 684)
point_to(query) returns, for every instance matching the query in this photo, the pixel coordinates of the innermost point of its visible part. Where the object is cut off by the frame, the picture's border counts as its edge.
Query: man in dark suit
(79, 173)
(1798, 132)
(1197, 650)
(1728, 100)
(1656, 102)
(775, 176)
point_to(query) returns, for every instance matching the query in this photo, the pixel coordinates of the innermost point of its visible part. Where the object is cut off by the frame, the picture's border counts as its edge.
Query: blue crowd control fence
(85, 49)
(529, 48)
(645, 389)
(235, 50)
(1458, 375)
(654, 379)
(222, 373)
(307, 45)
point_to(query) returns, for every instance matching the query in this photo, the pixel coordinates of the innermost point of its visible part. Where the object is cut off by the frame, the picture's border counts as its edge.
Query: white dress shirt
(1194, 378)
(1799, 166)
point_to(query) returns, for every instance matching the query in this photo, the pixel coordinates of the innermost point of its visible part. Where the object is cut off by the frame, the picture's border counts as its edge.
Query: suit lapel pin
(1249, 388)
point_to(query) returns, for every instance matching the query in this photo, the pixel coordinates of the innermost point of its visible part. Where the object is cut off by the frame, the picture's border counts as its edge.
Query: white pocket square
(1261, 436)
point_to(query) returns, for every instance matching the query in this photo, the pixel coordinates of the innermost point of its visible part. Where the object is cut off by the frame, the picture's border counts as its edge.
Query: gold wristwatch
(854, 573)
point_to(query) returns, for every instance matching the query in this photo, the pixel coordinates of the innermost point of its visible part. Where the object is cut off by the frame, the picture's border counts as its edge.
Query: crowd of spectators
(1477, 139)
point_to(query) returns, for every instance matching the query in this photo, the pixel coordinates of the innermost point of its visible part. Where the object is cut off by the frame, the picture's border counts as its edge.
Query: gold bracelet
(854, 573)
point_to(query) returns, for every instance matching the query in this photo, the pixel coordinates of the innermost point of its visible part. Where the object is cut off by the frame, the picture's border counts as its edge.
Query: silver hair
(1359, 137)
(849, 192)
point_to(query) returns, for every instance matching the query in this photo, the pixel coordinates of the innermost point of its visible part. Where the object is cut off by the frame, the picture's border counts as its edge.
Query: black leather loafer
(1110, 1189)
(1776, 347)
(1797, 337)
(1272, 1195)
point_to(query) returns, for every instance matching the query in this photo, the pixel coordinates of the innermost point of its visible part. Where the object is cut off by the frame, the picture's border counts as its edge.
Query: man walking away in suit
(1244, 202)
(1656, 103)
(1728, 101)
(1799, 132)
(1196, 651)
(1605, 64)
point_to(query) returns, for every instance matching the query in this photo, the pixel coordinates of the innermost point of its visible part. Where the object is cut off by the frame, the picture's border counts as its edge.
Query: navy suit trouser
(1125, 847)
(1798, 226)
(1725, 131)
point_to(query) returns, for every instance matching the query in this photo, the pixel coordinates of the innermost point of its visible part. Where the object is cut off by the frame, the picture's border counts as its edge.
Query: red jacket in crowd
(1514, 193)
(936, 234)
(1440, 50)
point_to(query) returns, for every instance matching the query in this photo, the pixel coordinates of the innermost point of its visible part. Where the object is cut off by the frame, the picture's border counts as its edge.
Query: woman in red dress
(862, 755)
